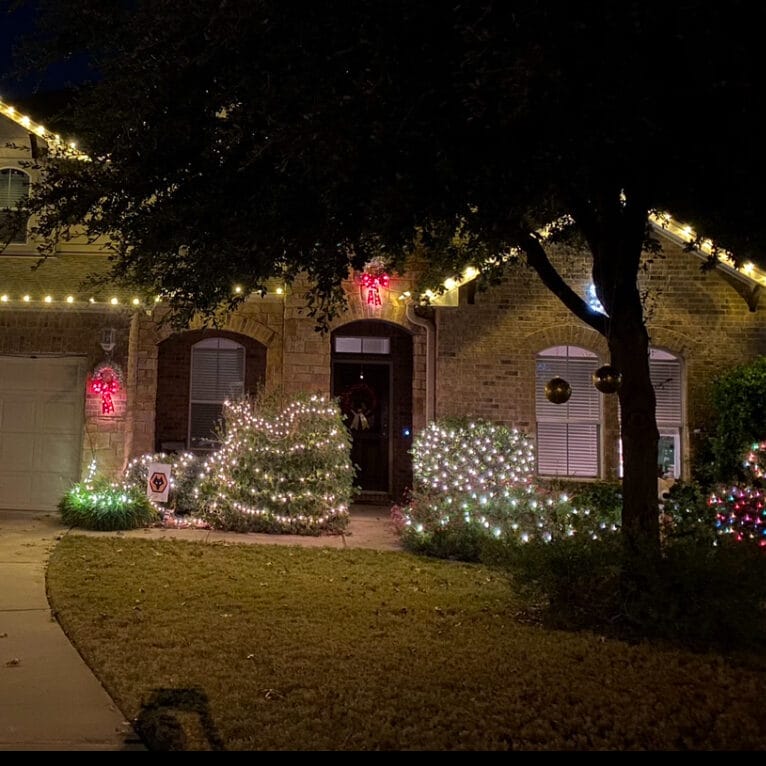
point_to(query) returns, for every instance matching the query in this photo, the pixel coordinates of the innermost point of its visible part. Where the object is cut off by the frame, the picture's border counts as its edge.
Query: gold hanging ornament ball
(607, 379)
(557, 390)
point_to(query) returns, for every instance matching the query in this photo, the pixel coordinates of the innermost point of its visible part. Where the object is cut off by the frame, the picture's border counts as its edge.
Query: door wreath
(358, 403)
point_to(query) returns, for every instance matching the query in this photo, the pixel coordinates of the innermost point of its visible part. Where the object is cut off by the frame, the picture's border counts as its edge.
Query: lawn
(318, 649)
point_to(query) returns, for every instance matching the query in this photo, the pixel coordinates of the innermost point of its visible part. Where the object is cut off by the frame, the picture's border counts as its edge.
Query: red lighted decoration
(372, 284)
(106, 380)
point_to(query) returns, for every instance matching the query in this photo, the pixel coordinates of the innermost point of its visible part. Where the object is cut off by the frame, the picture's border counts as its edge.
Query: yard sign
(158, 482)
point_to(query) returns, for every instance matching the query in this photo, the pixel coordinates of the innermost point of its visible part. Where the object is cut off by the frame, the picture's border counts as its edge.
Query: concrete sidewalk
(49, 697)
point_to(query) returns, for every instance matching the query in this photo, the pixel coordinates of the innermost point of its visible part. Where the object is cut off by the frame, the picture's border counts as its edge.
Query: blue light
(406, 432)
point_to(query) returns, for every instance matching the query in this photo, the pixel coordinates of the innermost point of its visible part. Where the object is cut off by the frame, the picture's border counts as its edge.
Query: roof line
(54, 139)
(662, 222)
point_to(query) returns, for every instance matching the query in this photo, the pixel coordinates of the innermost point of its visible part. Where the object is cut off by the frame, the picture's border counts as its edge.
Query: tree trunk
(615, 231)
(629, 347)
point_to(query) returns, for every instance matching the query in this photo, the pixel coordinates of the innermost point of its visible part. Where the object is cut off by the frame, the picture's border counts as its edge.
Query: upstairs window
(14, 191)
(568, 435)
(217, 374)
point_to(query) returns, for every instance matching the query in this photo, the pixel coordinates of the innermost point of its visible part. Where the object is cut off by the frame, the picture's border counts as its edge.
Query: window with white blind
(665, 374)
(14, 189)
(568, 434)
(217, 374)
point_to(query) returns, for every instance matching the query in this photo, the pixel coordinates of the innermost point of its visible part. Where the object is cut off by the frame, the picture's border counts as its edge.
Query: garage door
(41, 420)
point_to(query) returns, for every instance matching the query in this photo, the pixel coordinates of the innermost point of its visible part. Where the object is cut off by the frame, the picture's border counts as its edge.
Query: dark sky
(13, 25)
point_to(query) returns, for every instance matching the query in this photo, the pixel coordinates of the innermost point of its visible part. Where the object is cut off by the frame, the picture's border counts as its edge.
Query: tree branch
(586, 220)
(538, 260)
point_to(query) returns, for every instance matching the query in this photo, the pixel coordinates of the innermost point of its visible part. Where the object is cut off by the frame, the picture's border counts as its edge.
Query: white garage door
(41, 420)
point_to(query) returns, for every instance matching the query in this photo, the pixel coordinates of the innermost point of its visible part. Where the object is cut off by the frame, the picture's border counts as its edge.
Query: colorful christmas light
(740, 509)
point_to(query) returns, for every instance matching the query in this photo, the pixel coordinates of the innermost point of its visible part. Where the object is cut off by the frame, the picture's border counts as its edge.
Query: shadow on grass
(698, 597)
(178, 719)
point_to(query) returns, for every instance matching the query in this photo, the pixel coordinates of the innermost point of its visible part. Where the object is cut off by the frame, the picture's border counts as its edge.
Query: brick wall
(260, 320)
(297, 357)
(487, 350)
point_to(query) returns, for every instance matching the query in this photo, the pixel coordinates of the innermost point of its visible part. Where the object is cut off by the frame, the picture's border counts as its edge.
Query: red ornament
(105, 380)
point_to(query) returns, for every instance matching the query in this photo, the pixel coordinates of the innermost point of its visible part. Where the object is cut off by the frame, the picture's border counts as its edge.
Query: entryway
(372, 379)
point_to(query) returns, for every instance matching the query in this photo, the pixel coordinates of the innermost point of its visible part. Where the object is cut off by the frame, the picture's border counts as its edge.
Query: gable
(18, 127)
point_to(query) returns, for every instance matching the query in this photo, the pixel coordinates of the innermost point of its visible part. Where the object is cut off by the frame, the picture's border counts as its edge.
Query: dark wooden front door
(372, 379)
(363, 388)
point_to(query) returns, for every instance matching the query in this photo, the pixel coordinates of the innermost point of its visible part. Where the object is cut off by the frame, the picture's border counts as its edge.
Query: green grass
(320, 649)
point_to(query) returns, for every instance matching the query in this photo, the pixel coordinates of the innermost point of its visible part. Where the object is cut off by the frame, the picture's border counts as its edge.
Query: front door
(363, 388)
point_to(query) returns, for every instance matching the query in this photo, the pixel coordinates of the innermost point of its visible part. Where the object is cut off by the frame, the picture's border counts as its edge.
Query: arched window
(568, 435)
(14, 190)
(217, 374)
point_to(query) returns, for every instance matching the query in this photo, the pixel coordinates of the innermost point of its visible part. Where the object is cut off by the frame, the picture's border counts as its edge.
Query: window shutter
(665, 374)
(357, 345)
(567, 449)
(568, 434)
(666, 379)
(217, 374)
(582, 448)
(203, 420)
(583, 405)
(552, 449)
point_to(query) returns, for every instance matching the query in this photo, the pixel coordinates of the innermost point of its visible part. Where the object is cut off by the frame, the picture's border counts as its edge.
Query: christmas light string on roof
(59, 301)
(54, 140)
(662, 221)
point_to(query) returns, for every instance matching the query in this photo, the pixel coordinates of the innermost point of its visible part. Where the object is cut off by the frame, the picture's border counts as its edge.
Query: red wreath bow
(105, 381)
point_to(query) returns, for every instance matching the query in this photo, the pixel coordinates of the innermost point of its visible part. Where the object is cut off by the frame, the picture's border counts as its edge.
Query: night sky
(12, 27)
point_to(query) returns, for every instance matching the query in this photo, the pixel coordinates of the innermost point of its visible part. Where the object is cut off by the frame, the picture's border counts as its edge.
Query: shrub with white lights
(475, 480)
(279, 469)
(184, 475)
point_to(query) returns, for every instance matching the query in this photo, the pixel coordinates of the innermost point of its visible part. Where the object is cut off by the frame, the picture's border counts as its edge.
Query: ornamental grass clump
(279, 469)
(101, 505)
(474, 491)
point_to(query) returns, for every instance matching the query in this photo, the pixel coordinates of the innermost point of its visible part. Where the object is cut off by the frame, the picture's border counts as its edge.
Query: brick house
(482, 354)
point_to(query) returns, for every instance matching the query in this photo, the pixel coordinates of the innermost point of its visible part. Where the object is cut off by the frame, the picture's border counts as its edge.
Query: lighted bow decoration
(372, 279)
(106, 379)
(373, 283)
